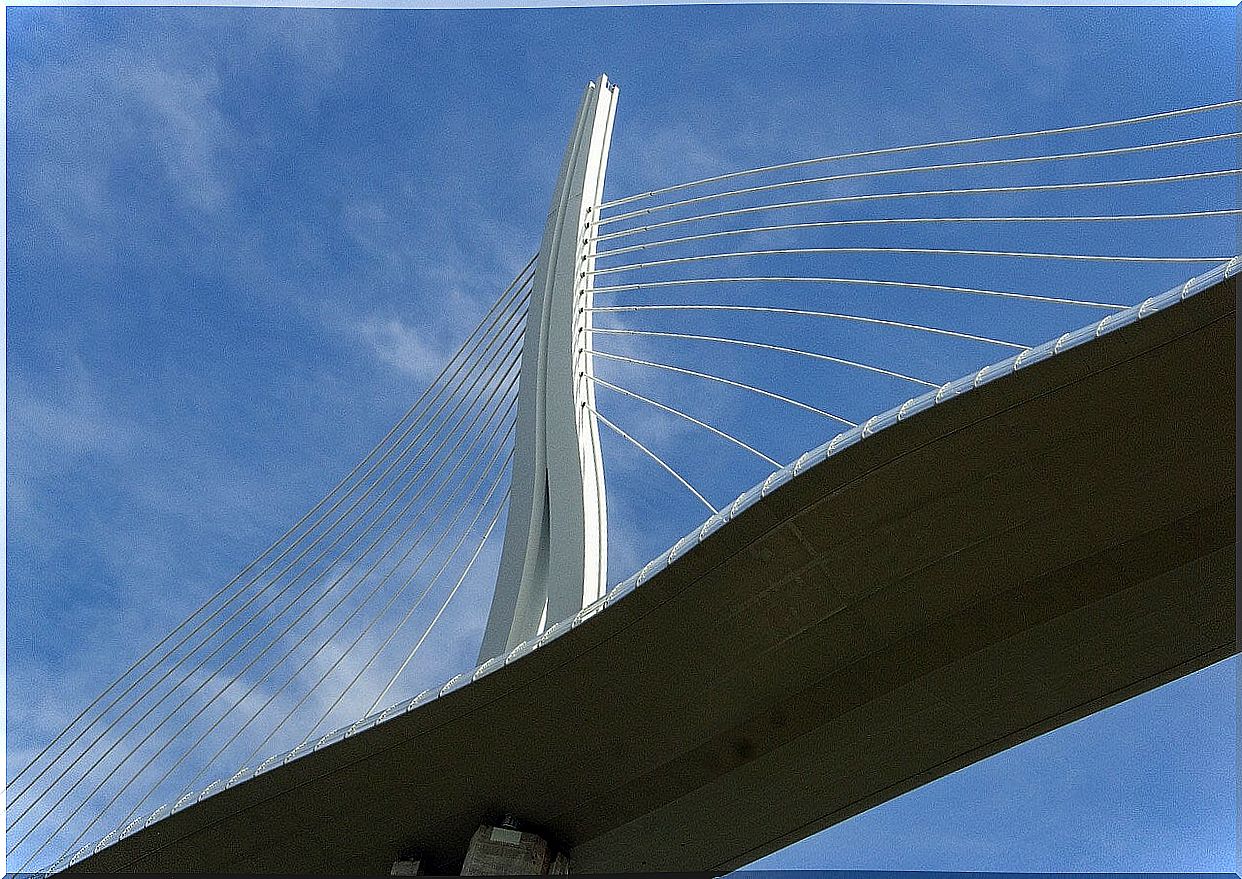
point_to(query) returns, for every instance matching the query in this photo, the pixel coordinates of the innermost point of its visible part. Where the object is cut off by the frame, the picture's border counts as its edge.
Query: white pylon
(555, 555)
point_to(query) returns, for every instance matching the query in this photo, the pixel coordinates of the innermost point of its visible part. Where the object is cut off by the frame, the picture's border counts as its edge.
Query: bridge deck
(992, 568)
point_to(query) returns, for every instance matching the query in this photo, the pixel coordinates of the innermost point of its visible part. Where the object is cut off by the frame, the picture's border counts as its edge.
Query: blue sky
(240, 242)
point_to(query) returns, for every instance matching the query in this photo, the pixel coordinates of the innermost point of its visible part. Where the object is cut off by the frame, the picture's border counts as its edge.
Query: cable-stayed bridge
(1017, 509)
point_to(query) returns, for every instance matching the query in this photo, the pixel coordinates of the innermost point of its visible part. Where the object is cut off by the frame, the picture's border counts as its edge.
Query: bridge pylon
(555, 555)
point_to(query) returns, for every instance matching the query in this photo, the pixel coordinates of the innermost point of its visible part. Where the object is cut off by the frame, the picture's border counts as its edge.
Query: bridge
(974, 565)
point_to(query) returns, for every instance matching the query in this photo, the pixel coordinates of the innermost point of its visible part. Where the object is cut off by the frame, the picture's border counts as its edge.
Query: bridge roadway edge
(727, 685)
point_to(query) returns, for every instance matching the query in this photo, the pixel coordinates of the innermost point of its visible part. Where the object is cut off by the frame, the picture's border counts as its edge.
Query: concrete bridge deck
(1042, 547)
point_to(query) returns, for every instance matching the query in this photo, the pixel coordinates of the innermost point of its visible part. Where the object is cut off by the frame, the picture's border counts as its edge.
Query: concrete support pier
(506, 850)
(500, 850)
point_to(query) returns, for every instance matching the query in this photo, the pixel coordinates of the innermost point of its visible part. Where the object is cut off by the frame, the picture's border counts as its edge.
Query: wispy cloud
(394, 342)
(101, 122)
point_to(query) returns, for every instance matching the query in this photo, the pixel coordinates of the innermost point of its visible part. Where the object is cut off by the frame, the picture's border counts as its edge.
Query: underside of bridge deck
(990, 569)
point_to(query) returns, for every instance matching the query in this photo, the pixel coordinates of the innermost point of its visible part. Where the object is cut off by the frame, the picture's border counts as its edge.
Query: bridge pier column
(505, 850)
(500, 850)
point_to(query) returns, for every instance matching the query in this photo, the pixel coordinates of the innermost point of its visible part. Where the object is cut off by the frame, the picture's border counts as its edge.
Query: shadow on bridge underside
(991, 568)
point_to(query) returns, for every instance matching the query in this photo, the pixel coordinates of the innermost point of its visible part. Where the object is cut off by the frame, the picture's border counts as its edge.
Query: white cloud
(97, 122)
(394, 342)
(186, 128)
